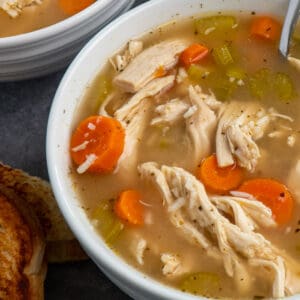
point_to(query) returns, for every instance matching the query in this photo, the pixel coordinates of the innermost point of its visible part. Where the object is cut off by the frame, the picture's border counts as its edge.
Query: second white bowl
(49, 49)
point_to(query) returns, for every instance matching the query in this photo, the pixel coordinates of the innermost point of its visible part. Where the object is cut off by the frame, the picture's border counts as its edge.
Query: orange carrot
(102, 137)
(193, 54)
(160, 72)
(216, 179)
(273, 194)
(72, 7)
(266, 28)
(129, 208)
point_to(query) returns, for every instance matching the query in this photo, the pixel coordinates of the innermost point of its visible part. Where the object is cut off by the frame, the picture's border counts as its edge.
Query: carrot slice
(160, 72)
(266, 28)
(129, 208)
(72, 7)
(101, 137)
(216, 179)
(273, 194)
(193, 54)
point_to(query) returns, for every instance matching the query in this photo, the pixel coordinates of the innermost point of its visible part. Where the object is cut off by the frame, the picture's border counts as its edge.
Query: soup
(19, 16)
(186, 157)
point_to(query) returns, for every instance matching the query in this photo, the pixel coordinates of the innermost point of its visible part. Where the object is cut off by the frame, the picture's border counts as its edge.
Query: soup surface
(194, 182)
(37, 16)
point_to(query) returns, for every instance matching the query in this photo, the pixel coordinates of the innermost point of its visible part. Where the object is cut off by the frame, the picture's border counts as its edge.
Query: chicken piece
(233, 139)
(294, 179)
(248, 214)
(120, 62)
(201, 125)
(14, 7)
(292, 286)
(278, 269)
(156, 86)
(134, 117)
(181, 75)
(144, 67)
(170, 112)
(295, 62)
(240, 126)
(172, 264)
(259, 214)
(200, 214)
(138, 248)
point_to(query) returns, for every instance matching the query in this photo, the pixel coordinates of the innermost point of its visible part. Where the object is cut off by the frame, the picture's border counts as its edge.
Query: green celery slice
(221, 86)
(259, 83)
(104, 89)
(197, 72)
(222, 55)
(236, 73)
(218, 23)
(202, 283)
(284, 86)
(108, 223)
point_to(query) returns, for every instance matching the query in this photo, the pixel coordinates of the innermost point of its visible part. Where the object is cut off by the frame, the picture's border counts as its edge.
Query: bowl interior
(69, 94)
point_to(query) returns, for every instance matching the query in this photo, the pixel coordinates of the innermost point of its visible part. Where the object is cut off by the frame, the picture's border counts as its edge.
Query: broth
(168, 147)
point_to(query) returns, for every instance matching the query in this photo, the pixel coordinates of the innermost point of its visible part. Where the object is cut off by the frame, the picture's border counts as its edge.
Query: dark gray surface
(24, 109)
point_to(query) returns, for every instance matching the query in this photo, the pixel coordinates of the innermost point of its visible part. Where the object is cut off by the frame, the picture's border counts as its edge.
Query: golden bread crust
(37, 194)
(21, 252)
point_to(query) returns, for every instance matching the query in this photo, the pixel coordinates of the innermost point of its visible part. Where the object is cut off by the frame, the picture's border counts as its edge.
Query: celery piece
(221, 86)
(107, 222)
(236, 73)
(104, 89)
(284, 87)
(204, 284)
(215, 24)
(259, 83)
(222, 55)
(197, 72)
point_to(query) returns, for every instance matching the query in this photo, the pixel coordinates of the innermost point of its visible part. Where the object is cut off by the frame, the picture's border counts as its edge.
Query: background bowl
(69, 94)
(49, 49)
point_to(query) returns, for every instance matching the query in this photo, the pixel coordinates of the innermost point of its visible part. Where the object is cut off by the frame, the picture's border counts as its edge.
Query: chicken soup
(186, 157)
(21, 16)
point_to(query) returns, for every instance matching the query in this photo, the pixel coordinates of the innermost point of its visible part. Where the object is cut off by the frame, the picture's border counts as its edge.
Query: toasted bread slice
(22, 245)
(38, 195)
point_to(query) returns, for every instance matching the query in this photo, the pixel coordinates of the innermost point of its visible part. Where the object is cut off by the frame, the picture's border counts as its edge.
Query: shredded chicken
(134, 117)
(172, 264)
(201, 125)
(120, 62)
(202, 222)
(145, 66)
(294, 62)
(153, 88)
(140, 250)
(294, 179)
(240, 126)
(170, 112)
(181, 75)
(15, 7)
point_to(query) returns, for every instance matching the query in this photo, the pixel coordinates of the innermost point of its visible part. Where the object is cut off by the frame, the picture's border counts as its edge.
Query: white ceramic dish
(51, 48)
(69, 94)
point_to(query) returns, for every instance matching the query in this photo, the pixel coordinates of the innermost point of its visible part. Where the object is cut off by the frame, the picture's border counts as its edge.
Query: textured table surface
(24, 109)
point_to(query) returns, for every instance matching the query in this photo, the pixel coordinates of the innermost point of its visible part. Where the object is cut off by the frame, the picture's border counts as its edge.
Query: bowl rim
(55, 29)
(127, 273)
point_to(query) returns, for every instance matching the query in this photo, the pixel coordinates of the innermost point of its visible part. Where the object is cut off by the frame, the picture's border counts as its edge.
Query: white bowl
(49, 49)
(69, 94)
